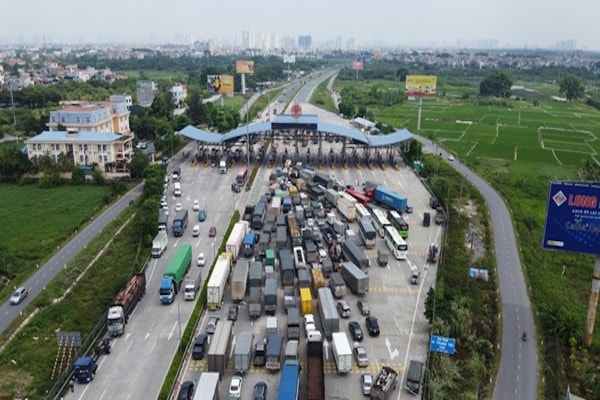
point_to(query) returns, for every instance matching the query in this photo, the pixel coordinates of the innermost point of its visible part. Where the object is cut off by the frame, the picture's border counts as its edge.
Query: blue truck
(85, 367)
(248, 244)
(180, 223)
(173, 277)
(390, 199)
(288, 383)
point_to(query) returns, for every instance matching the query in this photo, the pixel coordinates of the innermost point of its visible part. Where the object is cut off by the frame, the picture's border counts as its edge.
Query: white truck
(159, 244)
(191, 287)
(239, 281)
(218, 279)
(342, 352)
(347, 209)
(236, 238)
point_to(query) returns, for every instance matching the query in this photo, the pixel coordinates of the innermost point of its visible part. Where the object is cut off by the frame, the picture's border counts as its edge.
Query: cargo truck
(327, 266)
(289, 299)
(289, 381)
(286, 267)
(318, 280)
(388, 198)
(180, 223)
(337, 285)
(354, 253)
(329, 314)
(299, 258)
(124, 303)
(242, 354)
(342, 352)
(293, 323)
(384, 384)
(280, 238)
(295, 234)
(236, 238)
(303, 278)
(85, 367)
(274, 349)
(271, 328)
(316, 373)
(413, 377)
(173, 276)
(238, 281)
(192, 286)
(260, 351)
(159, 244)
(254, 301)
(271, 296)
(263, 243)
(355, 278)
(255, 274)
(208, 386)
(163, 220)
(347, 209)
(220, 347)
(306, 301)
(275, 207)
(248, 244)
(215, 289)
(332, 196)
(223, 165)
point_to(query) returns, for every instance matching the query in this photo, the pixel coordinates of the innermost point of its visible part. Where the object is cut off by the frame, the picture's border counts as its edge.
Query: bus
(399, 223)
(242, 175)
(395, 243)
(258, 217)
(367, 232)
(379, 221)
(361, 211)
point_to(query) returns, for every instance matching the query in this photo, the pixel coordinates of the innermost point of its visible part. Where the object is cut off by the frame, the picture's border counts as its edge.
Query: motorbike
(524, 336)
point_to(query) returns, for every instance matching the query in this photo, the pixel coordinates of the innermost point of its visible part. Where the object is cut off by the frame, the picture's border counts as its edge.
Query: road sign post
(442, 344)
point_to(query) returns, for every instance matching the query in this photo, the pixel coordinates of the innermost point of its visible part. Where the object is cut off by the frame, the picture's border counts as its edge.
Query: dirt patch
(474, 233)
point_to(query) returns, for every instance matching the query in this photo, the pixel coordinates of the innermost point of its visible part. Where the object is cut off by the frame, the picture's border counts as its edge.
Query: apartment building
(101, 116)
(178, 94)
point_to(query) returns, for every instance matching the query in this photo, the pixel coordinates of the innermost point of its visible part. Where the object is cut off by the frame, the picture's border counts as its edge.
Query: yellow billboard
(420, 85)
(221, 84)
(244, 67)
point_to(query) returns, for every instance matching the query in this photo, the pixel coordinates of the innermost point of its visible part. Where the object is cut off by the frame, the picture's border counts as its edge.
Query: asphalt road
(518, 372)
(48, 271)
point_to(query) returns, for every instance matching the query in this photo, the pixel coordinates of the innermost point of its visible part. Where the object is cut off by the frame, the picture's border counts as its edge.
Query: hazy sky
(514, 23)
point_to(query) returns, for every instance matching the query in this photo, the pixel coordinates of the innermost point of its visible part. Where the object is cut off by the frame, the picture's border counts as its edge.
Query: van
(200, 346)
(177, 189)
(196, 230)
(343, 308)
(177, 174)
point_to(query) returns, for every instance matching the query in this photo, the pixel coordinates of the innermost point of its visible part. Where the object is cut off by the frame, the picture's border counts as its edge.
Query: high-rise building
(304, 41)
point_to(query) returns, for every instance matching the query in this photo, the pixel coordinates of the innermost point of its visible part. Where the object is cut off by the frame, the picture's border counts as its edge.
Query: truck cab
(167, 291)
(85, 369)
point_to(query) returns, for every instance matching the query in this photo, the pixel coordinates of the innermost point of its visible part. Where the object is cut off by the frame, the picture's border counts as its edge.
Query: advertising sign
(289, 59)
(358, 65)
(442, 344)
(221, 84)
(420, 85)
(244, 67)
(573, 218)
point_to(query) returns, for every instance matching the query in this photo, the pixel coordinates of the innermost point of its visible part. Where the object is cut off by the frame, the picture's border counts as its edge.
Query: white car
(178, 207)
(309, 323)
(235, 387)
(201, 260)
(196, 206)
(310, 222)
(196, 230)
(450, 157)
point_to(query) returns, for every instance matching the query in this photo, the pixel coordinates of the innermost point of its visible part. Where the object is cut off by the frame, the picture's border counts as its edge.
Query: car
(201, 261)
(186, 391)
(196, 230)
(164, 204)
(196, 205)
(363, 307)
(322, 253)
(372, 325)
(18, 296)
(355, 331)
(235, 387)
(310, 222)
(409, 209)
(233, 313)
(343, 308)
(212, 232)
(260, 391)
(360, 354)
(211, 325)
(178, 207)
(235, 187)
(366, 382)
(450, 157)
(200, 346)
(309, 323)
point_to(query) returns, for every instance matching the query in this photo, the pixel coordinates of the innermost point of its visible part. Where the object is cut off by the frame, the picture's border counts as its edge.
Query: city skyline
(466, 23)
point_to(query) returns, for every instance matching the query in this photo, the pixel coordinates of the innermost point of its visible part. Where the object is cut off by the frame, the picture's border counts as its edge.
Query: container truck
(242, 354)
(355, 278)
(255, 274)
(389, 199)
(289, 381)
(238, 281)
(286, 267)
(413, 376)
(254, 301)
(347, 209)
(306, 301)
(220, 347)
(342, 352)
(316, 373)
(208, 386)
(274, 349)
(271, 296)
(337, 285)
(124, 303)
(163, 220)
(384, 384)
(192, 286)
(328, 310)
(294, 230)
(293, 323)
(159, 244)
(332, 196)
(180, 223)
(215, 289)
(173, 276)
(236, 238)
(354, 253)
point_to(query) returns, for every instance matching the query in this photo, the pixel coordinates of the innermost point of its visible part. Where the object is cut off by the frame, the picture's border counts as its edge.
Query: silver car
(18, 296)
(366, 382)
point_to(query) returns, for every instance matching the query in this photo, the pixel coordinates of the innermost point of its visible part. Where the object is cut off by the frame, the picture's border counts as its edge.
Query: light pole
(179, 323)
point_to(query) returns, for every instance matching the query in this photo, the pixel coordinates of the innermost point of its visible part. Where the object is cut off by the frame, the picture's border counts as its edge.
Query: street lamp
(179, 322)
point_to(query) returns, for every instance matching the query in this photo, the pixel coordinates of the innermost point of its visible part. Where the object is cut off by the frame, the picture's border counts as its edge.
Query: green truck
(176, 270)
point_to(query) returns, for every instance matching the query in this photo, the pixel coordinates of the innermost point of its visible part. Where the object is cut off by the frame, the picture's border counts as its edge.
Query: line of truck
(172, 280)
(236, 239)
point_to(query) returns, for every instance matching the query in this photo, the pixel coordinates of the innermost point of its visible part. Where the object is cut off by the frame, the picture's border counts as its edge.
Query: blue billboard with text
(573, 218)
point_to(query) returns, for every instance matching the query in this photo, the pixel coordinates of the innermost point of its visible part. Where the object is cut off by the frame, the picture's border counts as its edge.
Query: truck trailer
(293, 323)
(342, 352)
(215, 289)
(239, 281)
(274, 350)
(124, 303)
(242, 354)
(354, 253)
(173, 276)
(289, 381)
(337, 285)
(316, 372)
(254, 302)
(355, 278)
(329, 314)
(159, 244)
(236, 238)
(220, 347)
(271, 296)
(390, 199)
(208, 386)
(347, 209)
(286, 267)
(255, 274)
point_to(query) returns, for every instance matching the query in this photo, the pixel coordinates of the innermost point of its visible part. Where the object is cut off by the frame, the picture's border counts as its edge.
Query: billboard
(420, 85)
(358, 65)
(244, 67)
(289, 59)
(221, 84)
(573, 218)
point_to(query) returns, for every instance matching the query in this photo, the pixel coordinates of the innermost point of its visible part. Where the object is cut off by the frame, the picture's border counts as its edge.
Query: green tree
(138, 164)
(498, 84)
(77, 177)
(572, 87)
(196, 109)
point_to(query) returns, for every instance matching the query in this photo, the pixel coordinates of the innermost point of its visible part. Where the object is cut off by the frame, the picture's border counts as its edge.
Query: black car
(355, 331)
(372, 325)
(235, 187)
(260, 391)
(186, 391)
(200, 345)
